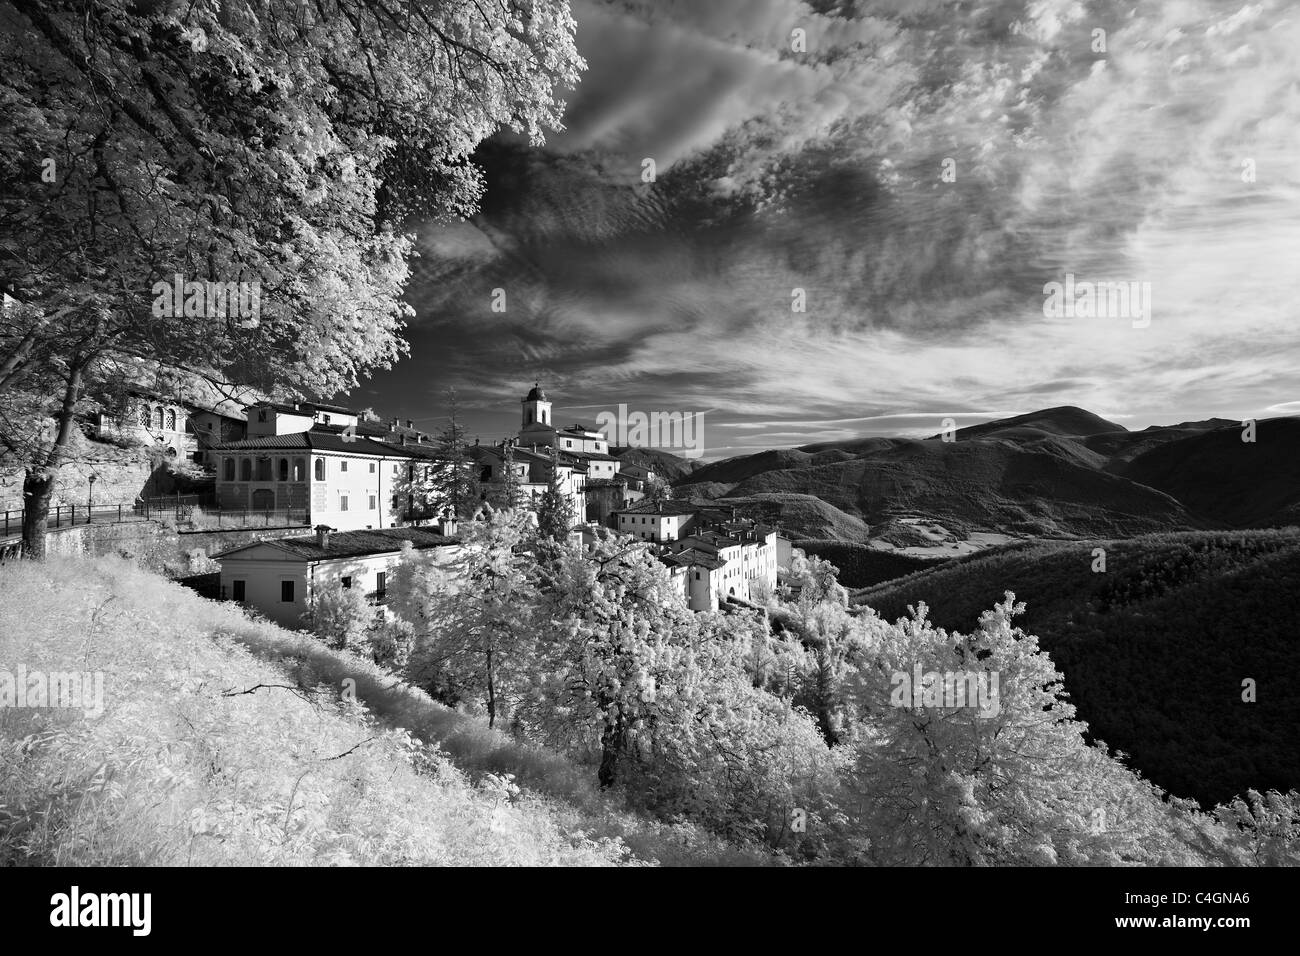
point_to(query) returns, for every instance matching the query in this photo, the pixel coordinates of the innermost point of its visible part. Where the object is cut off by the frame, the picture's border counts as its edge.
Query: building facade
(347, 483)
(281, 577)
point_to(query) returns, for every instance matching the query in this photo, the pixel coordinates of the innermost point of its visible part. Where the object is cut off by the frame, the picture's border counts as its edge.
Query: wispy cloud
(1167, 158)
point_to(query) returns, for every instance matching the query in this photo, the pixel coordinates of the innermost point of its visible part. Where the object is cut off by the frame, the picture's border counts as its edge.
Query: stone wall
(121, 474)
(157, 547)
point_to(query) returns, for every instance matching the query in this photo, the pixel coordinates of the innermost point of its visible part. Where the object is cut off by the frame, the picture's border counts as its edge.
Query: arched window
(299, 470)
(284, 469)
(144, 416)
(245, 469)
(158, 417)
(171, 419)
(320, 469)
(264, 469)
(230, 469)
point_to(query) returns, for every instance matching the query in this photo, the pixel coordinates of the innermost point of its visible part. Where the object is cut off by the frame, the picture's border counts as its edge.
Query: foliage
(455, 482)
(554, 507)
(476, 630)
(283, 146)
(861, 565)
(1156, 646)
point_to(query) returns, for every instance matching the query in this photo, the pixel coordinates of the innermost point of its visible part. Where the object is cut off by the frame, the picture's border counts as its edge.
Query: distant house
(656, 520)
(280, 577)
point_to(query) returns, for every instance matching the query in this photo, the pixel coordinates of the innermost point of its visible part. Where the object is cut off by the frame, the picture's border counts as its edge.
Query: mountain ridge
(1060, 472)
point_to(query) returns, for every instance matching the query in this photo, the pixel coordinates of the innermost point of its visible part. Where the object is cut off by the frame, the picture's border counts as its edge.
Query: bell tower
(536, 408)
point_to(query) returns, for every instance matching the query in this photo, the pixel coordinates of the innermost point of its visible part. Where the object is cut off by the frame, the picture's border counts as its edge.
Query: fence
(181, 508)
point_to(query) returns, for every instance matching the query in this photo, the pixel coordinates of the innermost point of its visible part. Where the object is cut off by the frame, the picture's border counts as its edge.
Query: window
(326, 418)
(261, 415)
(286, 592)
(144, 416)
(171, 419)
(396, 469)
(299, 469)
(158, 417)
(237, 590)
(245, 469)
(320, 469)
(343, 465)
(230, 469)
(343, 502)
(284, 469)
(347, 581)
(372, 467)
(381, 583)
(372, 503)
(263, 469)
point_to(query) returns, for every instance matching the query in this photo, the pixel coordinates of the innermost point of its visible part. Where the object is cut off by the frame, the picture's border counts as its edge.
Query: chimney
(410, 423)
(396, 422)
(323, 535)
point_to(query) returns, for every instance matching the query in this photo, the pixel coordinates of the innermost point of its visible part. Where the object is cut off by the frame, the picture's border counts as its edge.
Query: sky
(920, 171)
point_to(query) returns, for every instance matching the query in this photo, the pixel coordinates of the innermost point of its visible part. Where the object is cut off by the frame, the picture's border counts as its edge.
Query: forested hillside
(1155, 647)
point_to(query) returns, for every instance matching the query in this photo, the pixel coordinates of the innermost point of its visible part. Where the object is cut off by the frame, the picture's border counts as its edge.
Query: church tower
(537, 410)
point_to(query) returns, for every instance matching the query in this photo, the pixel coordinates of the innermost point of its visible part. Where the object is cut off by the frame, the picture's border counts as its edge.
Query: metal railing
(178, 507)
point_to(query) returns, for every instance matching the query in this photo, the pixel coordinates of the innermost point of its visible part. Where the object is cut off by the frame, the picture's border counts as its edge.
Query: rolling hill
(1155, 647)
(1058, 473)
(665, 464)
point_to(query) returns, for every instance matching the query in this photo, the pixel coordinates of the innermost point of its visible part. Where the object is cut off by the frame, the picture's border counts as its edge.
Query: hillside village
(362, 487)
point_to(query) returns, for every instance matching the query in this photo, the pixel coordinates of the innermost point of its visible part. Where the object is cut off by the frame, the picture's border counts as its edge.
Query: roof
(647, 506)
(692, 557)
(353, 544)
(593, 455)
(327, 441)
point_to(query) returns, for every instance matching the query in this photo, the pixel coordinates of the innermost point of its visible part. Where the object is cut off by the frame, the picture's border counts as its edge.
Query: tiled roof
(693, 557)
(593, 455)
(354, 544)
(328, 441)
(648, 507)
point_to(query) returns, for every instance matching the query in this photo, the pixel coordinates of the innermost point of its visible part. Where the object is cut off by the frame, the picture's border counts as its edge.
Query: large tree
(285, 146)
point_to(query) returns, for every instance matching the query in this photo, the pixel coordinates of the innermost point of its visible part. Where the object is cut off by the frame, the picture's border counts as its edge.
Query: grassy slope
(183, 768)
(1154, 650)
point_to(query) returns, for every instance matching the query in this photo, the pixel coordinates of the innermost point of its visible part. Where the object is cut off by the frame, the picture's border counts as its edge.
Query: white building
(281, 577)
(345, 482)
(720, 556)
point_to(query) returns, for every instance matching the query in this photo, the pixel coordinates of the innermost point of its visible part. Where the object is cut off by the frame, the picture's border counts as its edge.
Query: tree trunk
(491, 694)
(38, 488)
(611, 748)
(38, 482)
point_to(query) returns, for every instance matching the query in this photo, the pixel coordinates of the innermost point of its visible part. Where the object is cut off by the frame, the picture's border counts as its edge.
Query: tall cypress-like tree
(457, 479)
(506, 491)
(555, 508)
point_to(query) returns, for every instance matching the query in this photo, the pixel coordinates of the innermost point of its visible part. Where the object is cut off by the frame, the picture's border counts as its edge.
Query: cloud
(1167, 158)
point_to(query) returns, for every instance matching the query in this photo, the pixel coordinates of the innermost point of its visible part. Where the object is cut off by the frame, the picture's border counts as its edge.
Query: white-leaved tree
(284, 150)
(474, 620)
